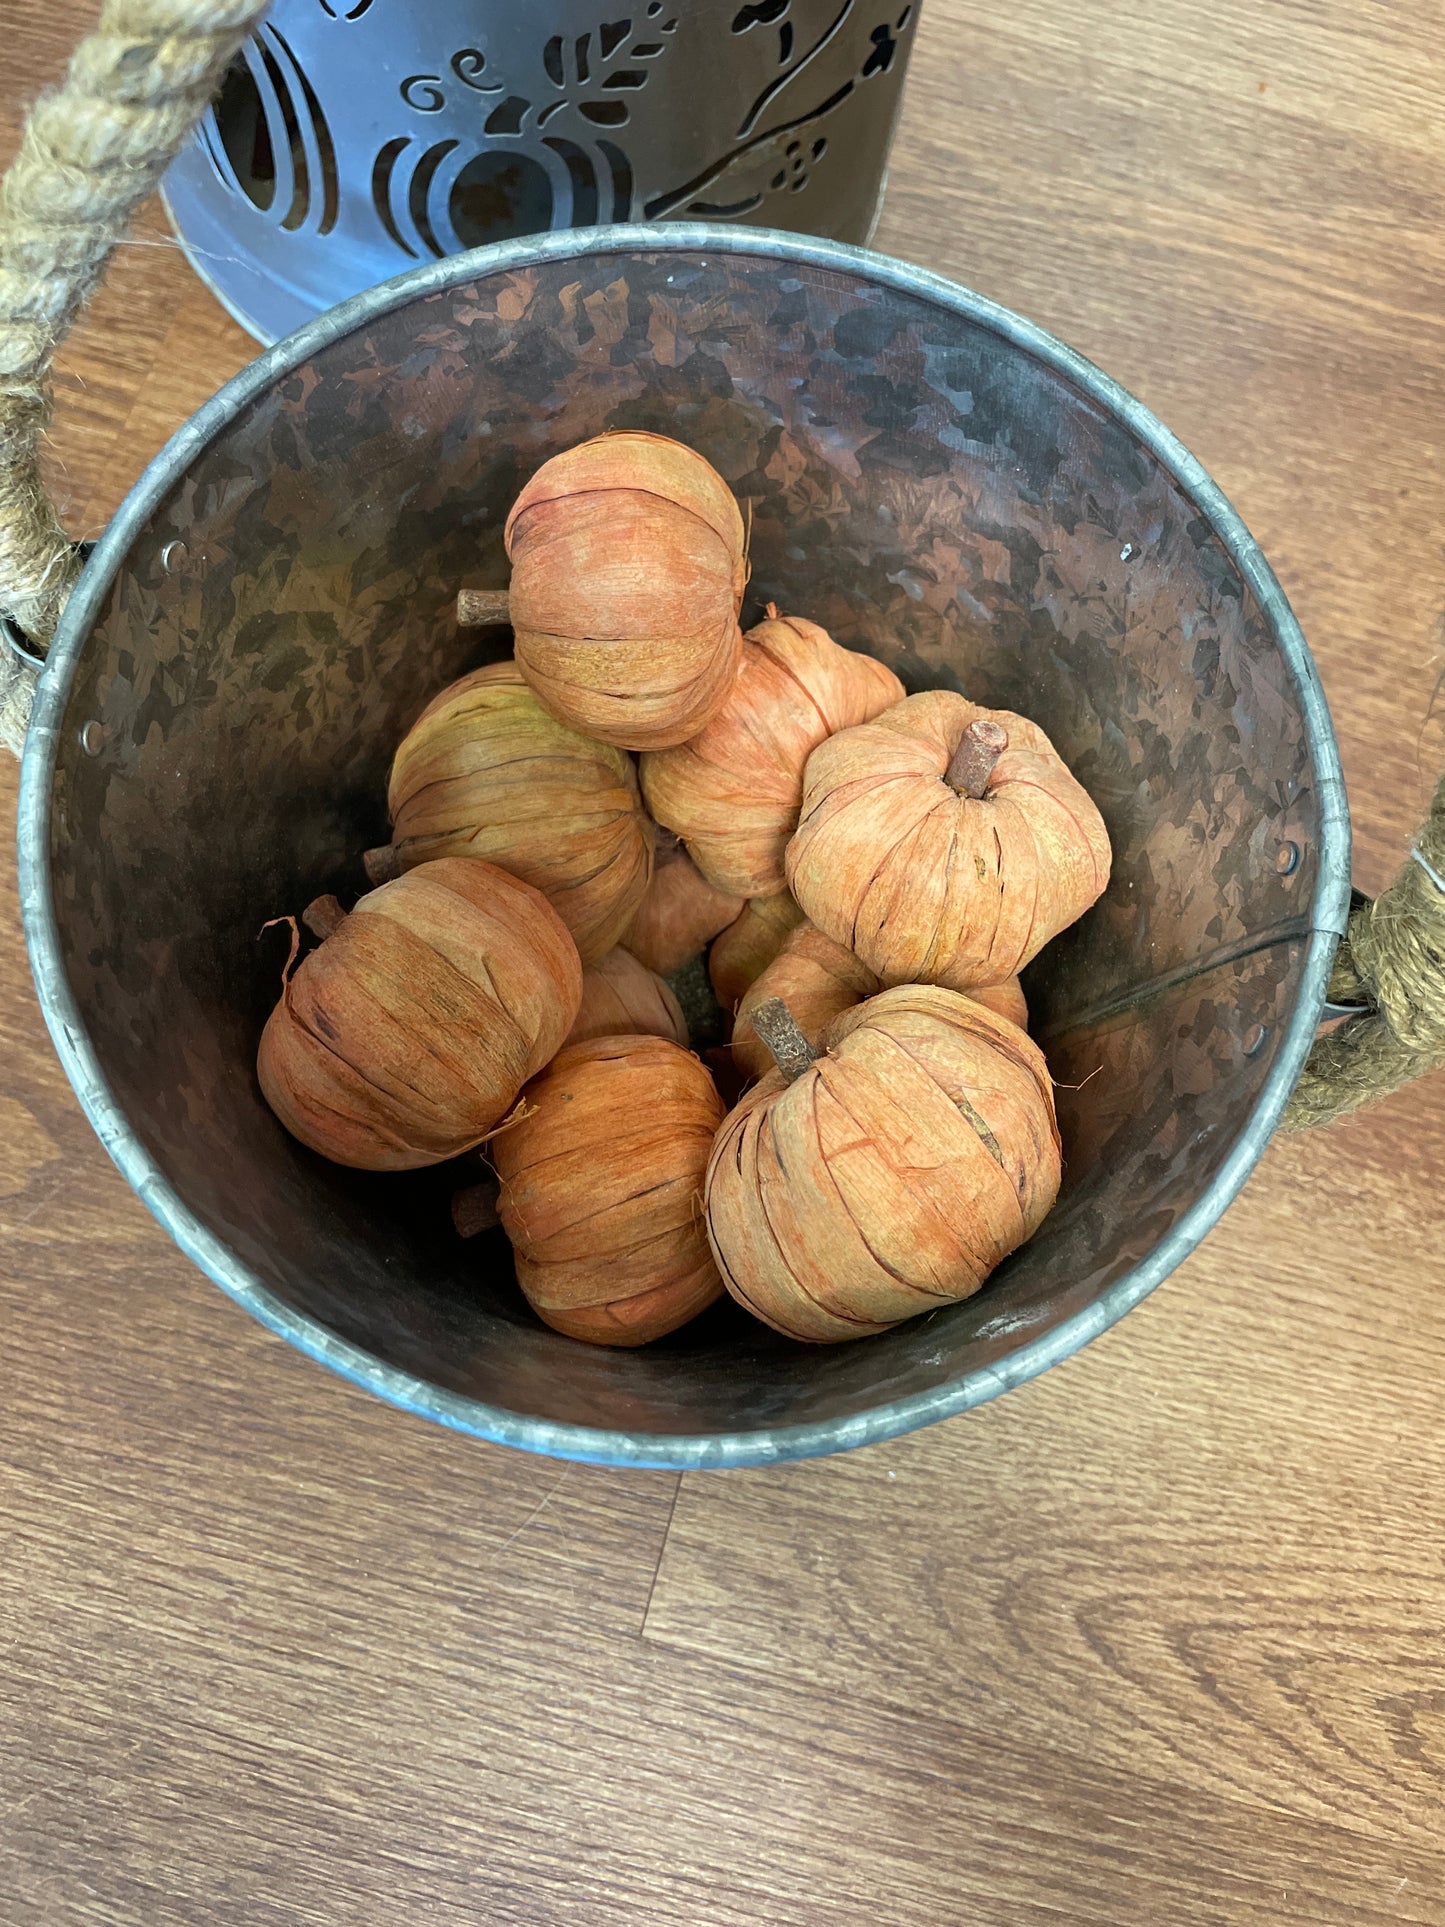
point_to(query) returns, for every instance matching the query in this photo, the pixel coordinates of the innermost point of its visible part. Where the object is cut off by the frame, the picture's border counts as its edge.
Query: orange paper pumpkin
(602, 1189)
(1004, 1000)
(818, 980)
(733, 791)
(749, 945)
(405, 1038)
(622, 997)
(680, 911)
(628, 566)
(888, 1176)
(486, 771)
(945, 843)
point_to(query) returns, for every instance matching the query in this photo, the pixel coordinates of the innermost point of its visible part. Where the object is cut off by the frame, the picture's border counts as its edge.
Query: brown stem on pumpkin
(382, 865)
(474, 1208)
(979, 749)
(323, 917)
(778, 1028)
(482, 608)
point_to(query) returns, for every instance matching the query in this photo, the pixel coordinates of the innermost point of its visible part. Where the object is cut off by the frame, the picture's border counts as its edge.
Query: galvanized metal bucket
(934, 479)
(351, 140)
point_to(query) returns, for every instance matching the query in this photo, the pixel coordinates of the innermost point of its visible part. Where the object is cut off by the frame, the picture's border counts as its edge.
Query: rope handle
(92, 150)
(1391, 964)
(95, 147)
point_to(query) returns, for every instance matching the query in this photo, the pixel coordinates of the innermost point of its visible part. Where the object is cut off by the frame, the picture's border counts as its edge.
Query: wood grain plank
(302, 1739)
(1206, 1551)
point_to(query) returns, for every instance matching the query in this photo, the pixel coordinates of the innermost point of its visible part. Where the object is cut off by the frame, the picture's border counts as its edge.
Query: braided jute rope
(92, 151)
(1392, 962)
(96, 147)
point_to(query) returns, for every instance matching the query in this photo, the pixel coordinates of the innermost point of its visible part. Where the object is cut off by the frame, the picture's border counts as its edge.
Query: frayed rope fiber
(1392, 962)
(93, 149)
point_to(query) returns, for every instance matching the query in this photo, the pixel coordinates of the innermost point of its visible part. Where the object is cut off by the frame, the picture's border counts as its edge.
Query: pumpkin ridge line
(626, 488)
(632, 1250)
(1003, 886)
(383, 1131)
(844, 794)
(802, 688)
(953, 1237)
(764, 1125)
(910, 837)
(592, 819)
(930, 958)
(488, 989)
(867, 1137)
(361, 989)
(731, 1281)
(475, 835)
(485, 767)
(673, 692)
(794, 1281)
(1043, 1083)
(580, 883)
(618, 1143)
(1023, 782)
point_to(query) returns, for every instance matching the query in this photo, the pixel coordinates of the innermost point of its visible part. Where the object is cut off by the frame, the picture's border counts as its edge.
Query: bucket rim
(593, 1444)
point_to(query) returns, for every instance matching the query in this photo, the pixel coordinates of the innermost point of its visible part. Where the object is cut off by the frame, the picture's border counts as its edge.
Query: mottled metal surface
(931, 479)
(351, 140)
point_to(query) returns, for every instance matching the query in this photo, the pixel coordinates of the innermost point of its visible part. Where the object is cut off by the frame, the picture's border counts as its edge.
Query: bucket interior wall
(928, 490)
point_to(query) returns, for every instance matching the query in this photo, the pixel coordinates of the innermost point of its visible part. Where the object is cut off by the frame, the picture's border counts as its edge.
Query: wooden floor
(1157, 1640)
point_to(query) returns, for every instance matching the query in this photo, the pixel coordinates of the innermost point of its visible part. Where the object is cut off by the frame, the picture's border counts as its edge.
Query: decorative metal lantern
(352, 140)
